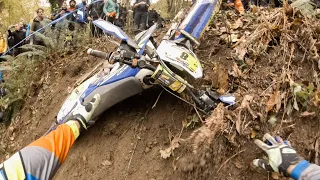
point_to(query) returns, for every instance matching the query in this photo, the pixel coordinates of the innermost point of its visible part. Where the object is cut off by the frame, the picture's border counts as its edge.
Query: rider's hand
(89, 18)
(83, 114)
(282, 157)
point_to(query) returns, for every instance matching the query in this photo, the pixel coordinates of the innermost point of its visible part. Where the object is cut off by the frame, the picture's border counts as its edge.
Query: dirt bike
(139, 64)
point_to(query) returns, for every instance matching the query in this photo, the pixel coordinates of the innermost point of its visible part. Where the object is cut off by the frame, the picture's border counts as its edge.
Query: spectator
(63, 11)
(18, 35)
(74, 16)
(111, 10)
(123, 12)
(3, 46)
(37, 25)
(95, 11)
(82, 11)
(153, 17)
(141, 14)
(72, 5)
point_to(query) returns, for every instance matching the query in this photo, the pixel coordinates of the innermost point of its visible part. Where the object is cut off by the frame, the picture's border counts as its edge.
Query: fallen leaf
(275, 100)
(236, 72)
(223, 81)
(237, 24)
(306, 114)
(240, 52)
(168, 152)
(165, 153)
(273, 120)
(234, 38)
(253, 134)
(246, 101)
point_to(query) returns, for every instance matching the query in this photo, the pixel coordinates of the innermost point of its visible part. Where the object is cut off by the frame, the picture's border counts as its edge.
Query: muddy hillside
(268, 59)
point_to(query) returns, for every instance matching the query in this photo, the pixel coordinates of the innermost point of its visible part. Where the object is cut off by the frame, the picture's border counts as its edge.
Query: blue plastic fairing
(198, 18)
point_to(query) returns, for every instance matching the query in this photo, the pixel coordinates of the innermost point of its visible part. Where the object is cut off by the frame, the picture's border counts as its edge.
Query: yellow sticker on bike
(191, 60)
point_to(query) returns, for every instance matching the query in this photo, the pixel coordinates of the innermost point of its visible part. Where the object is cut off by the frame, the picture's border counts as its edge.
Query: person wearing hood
(111, 10)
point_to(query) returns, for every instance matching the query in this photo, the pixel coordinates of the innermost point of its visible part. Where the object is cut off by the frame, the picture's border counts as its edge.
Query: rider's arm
(284, 159)
(304, 171)
(42, 158)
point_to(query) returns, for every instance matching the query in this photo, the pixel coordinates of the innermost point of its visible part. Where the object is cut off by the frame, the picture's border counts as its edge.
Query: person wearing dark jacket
(36, 25)
(95, 11)
(141, 14)
(18, 35)
(63, 11)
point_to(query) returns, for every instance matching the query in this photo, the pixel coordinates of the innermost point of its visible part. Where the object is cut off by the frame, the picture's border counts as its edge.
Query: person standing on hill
(111, 10)
(141, 14)
(95, 11)
(82, 11)
(18, 35)
(37, 24)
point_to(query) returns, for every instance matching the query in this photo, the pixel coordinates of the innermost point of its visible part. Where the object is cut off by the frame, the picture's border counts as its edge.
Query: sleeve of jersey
(311, 172)
(42, 158)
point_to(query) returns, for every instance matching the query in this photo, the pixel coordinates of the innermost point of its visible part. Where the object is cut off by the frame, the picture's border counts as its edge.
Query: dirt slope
(126, 140)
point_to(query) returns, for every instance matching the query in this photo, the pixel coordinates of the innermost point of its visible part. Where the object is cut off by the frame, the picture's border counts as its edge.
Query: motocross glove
(83, 114)
(281, 155)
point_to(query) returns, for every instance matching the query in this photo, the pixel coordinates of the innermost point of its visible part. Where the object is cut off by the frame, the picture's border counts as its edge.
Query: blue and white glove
(281, 155)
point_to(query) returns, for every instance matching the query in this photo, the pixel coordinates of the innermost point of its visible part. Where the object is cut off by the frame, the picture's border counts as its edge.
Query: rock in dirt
(106, 163)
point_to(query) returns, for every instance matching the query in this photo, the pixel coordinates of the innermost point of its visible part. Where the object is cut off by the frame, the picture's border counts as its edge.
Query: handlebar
(98, 54)
(136, 60)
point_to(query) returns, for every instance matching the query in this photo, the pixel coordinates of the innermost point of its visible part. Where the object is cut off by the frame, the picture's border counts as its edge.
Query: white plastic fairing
(180, 57)
(141, 75)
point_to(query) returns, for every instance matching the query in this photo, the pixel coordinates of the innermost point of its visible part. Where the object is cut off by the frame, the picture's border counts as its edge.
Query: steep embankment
(267, 59)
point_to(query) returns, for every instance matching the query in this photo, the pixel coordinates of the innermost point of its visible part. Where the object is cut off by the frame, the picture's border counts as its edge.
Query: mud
(125, 142)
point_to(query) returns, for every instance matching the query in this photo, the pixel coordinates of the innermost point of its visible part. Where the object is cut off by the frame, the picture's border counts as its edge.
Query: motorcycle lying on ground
(139, 64)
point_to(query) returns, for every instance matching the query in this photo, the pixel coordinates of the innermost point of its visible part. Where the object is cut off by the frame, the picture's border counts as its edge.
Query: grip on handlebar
(98, 54)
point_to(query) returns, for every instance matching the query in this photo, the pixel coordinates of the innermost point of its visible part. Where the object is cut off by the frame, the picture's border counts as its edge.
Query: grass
(28, 67)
